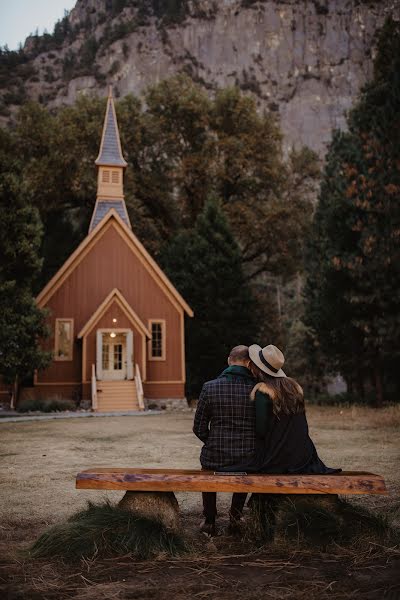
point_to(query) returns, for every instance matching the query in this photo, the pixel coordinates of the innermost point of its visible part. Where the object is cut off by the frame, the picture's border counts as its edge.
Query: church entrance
(114, 355)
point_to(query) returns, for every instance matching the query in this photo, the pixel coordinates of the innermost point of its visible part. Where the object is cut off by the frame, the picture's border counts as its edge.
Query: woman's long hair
(286, 394)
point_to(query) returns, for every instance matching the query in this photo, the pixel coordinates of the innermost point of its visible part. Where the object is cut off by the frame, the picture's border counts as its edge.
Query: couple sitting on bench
(252, 419)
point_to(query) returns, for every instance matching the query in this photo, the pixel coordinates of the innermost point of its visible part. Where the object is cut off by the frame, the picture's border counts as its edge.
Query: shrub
(106, 530)
(30, 405)
(51, 405)
(58, 405)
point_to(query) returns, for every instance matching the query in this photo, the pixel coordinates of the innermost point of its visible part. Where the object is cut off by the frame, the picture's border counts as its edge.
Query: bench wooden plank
(191, 480)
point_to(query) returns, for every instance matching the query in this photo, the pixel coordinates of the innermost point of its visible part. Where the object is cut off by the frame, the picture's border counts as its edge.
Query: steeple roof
(110, 154)
(103, 207)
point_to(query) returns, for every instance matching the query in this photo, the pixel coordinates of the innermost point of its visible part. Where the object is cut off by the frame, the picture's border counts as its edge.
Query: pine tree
(354, 257)
(205, 265)
(22, 324)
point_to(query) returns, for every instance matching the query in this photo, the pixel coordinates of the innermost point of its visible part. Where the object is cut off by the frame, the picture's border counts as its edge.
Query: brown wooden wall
(164, 390)
(46, 392)
(109, 264)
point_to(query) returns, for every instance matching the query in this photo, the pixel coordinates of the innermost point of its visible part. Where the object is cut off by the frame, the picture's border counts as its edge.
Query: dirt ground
(39, 461)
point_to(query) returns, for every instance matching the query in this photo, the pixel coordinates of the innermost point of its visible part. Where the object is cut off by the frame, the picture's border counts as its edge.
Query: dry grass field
(39, 461)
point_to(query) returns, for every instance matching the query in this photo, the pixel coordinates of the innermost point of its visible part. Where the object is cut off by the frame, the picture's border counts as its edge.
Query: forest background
(234, 223)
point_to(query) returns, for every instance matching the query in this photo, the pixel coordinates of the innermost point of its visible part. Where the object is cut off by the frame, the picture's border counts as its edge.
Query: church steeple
(110, 154)
(111, 164)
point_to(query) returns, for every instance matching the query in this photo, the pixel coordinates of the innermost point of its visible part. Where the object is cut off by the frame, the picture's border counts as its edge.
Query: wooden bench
(178, 480)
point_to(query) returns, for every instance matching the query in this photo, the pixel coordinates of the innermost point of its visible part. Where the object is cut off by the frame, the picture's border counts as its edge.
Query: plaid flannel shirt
(225, 420)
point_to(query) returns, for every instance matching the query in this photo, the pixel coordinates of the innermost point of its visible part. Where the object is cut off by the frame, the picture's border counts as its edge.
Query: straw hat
(269, 359)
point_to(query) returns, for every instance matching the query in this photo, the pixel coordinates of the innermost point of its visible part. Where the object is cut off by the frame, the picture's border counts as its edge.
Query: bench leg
(158, 506)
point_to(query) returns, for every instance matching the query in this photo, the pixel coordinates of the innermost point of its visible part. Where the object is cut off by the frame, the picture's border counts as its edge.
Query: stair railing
(139, 387)
(94, 389)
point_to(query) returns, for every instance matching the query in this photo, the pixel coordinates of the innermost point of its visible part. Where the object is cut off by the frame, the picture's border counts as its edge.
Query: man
(225, 423)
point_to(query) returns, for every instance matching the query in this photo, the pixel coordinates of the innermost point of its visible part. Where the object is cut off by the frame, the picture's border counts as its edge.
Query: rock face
(305, 59)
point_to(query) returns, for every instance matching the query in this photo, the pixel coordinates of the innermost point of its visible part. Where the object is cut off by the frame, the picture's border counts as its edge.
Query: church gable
(114, 299)
(111, 257)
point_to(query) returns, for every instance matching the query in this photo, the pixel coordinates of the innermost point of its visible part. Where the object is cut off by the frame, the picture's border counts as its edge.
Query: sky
(19, 18)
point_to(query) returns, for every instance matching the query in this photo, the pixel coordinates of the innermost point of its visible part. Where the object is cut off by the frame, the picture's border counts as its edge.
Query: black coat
(283, 443)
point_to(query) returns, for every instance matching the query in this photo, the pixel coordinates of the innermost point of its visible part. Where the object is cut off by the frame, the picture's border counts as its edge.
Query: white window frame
(70, 356)
(163, 356)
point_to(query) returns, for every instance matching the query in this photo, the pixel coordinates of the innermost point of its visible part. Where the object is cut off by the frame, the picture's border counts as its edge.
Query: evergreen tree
(181, 148)
(354, 253)
(22, 324)
(205, 265)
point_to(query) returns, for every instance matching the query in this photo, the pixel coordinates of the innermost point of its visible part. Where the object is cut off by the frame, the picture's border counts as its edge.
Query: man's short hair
(239, 353)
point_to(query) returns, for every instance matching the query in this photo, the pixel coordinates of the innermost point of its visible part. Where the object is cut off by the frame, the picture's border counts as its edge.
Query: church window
(105, 360)
(64, 339)
(157, 342)
(114, 177)
(106, 176)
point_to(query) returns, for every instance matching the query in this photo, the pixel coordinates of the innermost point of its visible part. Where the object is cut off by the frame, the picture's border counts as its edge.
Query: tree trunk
(15, 393)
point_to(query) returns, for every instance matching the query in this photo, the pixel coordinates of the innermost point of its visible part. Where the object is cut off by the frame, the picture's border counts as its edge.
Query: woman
(283, 442)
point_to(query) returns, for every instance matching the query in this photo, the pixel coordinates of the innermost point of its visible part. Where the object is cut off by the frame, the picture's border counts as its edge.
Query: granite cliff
(304, 59)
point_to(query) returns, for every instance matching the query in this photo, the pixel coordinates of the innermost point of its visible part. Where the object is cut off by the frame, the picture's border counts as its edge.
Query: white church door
(114, 355)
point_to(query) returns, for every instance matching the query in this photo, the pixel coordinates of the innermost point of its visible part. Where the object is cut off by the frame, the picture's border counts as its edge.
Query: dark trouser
(210, 505)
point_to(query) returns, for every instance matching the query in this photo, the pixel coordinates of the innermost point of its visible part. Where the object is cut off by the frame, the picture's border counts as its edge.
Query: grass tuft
(104, 531)
(315, 520)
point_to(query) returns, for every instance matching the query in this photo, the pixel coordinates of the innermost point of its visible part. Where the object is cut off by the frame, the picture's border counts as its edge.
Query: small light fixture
(114, 320)
(112, 334)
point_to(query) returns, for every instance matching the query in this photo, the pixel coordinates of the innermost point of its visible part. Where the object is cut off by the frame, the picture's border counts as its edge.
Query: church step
(118, 395)
(121, 382)
(117, 400)
(115, 396)
(107, 398)
(110, 388)
(105, 407)
(117, 403)
(117, 392)
(104, 393)
(123, 401)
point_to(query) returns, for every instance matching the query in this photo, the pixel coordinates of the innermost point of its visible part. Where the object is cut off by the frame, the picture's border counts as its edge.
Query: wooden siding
(164, 390)
(109, 264)
(63, 371)
(46, 392)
